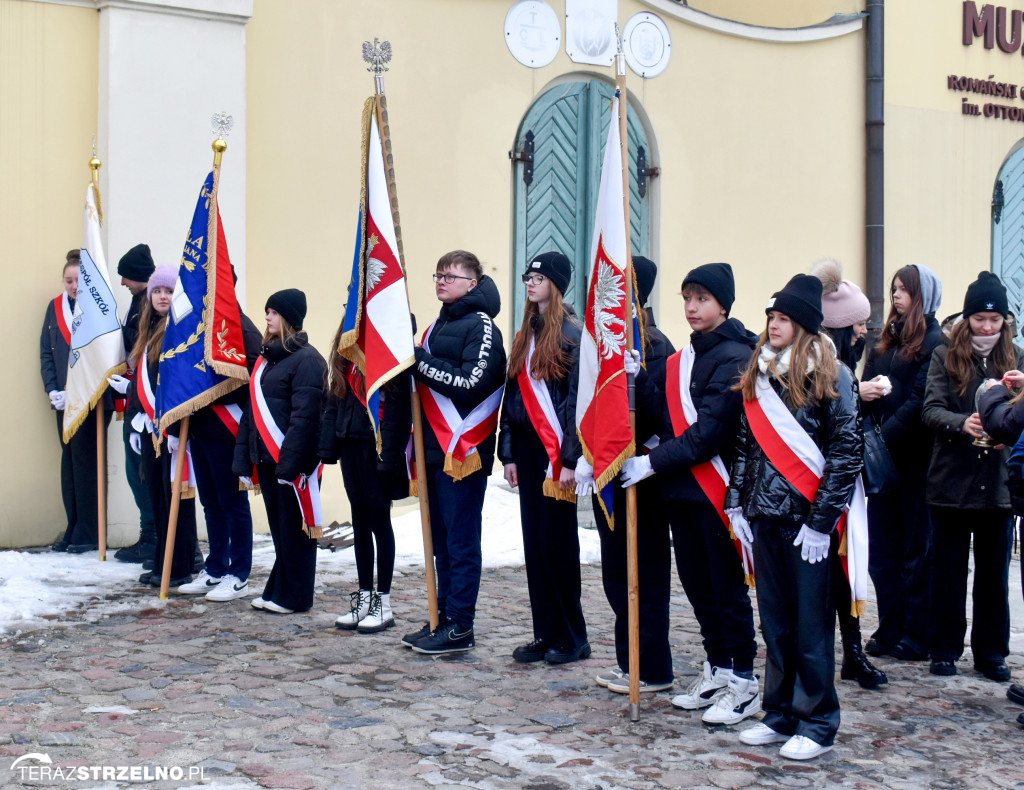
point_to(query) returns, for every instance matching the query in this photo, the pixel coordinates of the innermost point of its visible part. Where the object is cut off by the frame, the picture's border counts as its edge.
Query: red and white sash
(62, 307)
(458, 435)
(307, 488)
(711, 476)
(541, 411)
(231, 415)
(145, 389)
(799, 460)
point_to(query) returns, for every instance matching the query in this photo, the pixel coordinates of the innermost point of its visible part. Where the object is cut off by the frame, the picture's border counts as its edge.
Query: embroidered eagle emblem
(374, 268)
(608, 296)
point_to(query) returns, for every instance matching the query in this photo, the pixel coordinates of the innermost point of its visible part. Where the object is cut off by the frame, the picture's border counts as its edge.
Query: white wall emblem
(532, 33)
(590, 31)
(647, 44)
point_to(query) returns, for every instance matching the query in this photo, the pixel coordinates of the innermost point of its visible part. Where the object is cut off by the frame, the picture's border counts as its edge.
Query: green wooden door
(568, 125)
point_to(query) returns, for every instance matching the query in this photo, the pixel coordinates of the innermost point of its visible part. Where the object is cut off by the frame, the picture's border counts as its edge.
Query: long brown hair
(960, 357)
(910, 340)
(151, 334)
(550, 362)
(339, 367)
(287, 333)
(814, 387)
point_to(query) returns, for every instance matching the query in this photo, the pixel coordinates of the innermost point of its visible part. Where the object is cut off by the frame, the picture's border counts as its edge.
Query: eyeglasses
(449, 278)
(533, 279)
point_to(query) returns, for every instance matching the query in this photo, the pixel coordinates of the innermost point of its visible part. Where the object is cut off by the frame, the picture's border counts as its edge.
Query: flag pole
(632, 571)
(172, 521)
(101, 435)
(377, 54)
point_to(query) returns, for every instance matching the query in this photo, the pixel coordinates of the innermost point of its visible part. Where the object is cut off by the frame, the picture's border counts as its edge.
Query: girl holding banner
(539, 449)
(279, 433)
(798, 458)
(157, 472)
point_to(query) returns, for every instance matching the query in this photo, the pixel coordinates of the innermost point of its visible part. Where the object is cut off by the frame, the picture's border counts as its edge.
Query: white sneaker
(257, 603)
(735, 702)
(359, 607)
(610, 676)
(621, 686)
(761, 734)
(704, 687)
(201, 585)
(801, 748)
(276, 608)
(230, 587)
(379, 617)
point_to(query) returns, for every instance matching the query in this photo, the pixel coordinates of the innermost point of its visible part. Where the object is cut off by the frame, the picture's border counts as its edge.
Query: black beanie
(646, 272)
(554, 266)
(800, 300)
(290, 304)
(137, 264)
(717, 278)
(987, 294)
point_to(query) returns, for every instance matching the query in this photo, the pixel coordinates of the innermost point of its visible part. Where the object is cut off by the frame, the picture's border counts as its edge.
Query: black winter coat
(763, 493)
(898, 414)
(516, 421)
(658, 348)
(466, 361)
(721, 357)
(53, 351)
(961, 475)
(130, 328)
(1004, 422)
(293, 385)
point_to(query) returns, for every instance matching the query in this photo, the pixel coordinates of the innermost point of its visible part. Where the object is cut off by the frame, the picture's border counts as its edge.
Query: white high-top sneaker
(704, 687)
(740, 699)
(360, 607)
(380, 616)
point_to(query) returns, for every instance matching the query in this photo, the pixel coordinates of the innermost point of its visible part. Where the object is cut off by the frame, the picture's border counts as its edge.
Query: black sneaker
(995, 669)
(557, 655)
(82, 548)
(942, 667)
(410, 639)
(138, 552)
(446, 639)
(528, 654)
(1015, 694)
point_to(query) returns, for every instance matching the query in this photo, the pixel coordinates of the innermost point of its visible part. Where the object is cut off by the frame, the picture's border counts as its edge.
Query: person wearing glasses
(539, 449)
(460, 375)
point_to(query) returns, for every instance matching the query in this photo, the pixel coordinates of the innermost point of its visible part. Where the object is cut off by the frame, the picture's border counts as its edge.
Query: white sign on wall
(532, 33)
(590, 31)
(647, 44)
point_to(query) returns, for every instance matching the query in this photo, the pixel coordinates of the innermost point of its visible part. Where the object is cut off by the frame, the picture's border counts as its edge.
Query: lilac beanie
(165, 276)
(842, 303)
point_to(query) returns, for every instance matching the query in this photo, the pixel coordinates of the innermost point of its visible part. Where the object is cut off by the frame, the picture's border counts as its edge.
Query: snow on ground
(37, 588)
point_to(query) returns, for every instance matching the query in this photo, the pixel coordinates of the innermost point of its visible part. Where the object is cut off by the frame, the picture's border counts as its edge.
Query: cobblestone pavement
(261, 700)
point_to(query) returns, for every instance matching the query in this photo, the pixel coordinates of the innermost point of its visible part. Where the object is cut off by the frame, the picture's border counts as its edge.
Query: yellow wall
(941, 166)
(778, 13)
(48, 94)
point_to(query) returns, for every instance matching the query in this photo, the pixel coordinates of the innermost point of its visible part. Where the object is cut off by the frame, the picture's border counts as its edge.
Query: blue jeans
(455, 523)
(140, 492)
(228, 519)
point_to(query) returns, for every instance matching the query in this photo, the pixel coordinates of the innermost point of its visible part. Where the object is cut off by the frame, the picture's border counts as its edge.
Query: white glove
(135, 440)
(584, 477)
(139, 422)
(813, 544)
(281, 482)
(246, 481)
(52, 395)
(172, 443)
(636, 469)
(631, 360)
(57, 399)
(740, 526)
(119, 383)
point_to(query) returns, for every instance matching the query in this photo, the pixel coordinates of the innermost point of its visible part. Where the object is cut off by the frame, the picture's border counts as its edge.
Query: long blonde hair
(550, 362)
(803, 388)
(287, 333)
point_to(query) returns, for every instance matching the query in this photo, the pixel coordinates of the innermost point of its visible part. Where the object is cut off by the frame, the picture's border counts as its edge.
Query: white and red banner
(306, 487)
(602, 405)
(799, 460)
(544, 418)
(458, 435)
(711, 476)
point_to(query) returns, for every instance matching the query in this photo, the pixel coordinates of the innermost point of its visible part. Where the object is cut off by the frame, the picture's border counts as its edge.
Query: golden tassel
(554, 490)
(414, 488)
(749, 579)
(857, 608)
(842, 544)
(315, 533)
(457, 470)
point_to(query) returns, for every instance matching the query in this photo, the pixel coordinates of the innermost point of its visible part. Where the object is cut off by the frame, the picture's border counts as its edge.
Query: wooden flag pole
(632, 571)
(101, 433)
(172, 521)
(379, 56)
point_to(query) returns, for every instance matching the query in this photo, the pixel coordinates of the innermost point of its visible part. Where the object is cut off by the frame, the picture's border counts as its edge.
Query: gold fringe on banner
(554, 490)
(314, 533)
(188, 493)
(457, 470)
(749, 579)
(857, 608)
(414, 488)
(609, 474)
(843, 548)
(83, 415)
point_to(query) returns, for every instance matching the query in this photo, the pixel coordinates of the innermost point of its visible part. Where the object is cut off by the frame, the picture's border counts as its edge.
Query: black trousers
(78, 480)
(992, 531)
(156, 475)
(371, 513)
(900, 540)
(712, 575)
(654, 562)
(794, 600)
(551, 545)
(228, 518)
(291, 579)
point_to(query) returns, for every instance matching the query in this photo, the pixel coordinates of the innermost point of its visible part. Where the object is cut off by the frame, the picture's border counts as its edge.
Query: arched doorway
(556, 192)
(1008, 231)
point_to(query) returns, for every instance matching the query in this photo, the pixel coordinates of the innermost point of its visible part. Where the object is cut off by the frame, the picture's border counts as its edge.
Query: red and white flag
(602, 405)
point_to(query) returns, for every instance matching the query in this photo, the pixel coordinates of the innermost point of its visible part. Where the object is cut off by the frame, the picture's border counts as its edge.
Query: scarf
(984, 344)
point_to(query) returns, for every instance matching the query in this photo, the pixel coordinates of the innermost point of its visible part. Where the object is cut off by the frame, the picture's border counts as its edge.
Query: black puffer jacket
(515, 419)
(1004, 422)
(763, 493)
(466, 361)
(658, 348)
(130, 329)
(721, 357)
(962, 475)
(293, 385)
(53, 351)
(898, 414)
